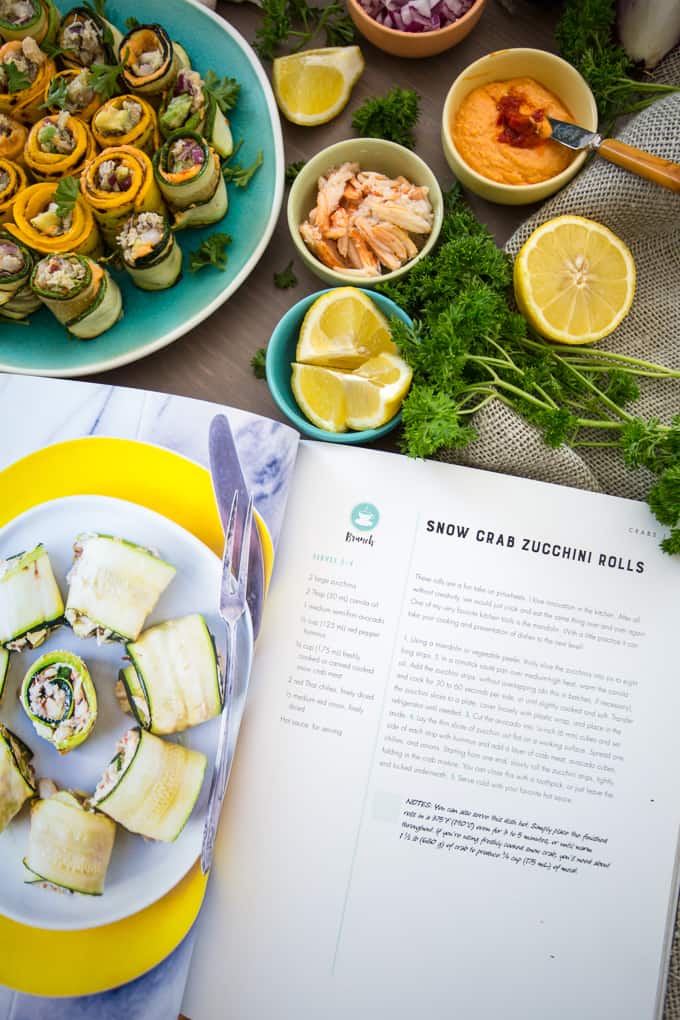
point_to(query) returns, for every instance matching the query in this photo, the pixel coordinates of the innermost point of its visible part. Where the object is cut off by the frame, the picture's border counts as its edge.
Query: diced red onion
(416, 15)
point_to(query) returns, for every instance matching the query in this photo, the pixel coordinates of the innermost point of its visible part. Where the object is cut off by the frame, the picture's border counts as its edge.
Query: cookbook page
(455, 792)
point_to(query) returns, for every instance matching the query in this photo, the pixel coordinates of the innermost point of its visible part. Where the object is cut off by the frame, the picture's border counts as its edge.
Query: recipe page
(455, 791)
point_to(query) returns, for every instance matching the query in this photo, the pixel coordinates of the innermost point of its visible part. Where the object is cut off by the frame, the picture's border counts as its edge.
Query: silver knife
(637, 161)
(227, 478)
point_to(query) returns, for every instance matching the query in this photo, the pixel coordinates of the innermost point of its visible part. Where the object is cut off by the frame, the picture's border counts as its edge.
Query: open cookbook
(455, 785)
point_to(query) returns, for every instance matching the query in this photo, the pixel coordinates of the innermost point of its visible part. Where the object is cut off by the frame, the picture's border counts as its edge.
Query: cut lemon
(390, 373)
(314, 86)
(336, 401)
(574, 280)
(343, 329)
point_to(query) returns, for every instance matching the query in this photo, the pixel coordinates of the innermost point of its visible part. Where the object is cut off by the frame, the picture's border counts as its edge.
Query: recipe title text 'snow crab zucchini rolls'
(126, 120)
(189, 174)
(80, 293)
(85, 38)
(58, 145)
(113, 586)
(21, 18)
(17, 300)
(17, 781)
(151, 785)
(38, 225)
(117, 183)
(31, 605)
(151, 255)
(59, 698)
(188, 106)
(69, 846)
(36, 70)
(72, 90)
(173, 681)
(151, 62)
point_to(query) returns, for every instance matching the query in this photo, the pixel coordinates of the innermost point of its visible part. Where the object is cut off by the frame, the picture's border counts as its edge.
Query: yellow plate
(182, 491)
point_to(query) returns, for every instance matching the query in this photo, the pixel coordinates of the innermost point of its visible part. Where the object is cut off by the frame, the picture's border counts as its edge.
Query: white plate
(140, 872)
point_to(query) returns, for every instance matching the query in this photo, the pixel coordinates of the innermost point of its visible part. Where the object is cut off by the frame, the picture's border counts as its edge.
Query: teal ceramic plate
(153, 320)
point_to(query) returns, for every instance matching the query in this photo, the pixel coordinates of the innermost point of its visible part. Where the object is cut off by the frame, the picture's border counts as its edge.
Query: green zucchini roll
(17, 781)
(59, 698)
(151, 255)
(113, 586)
(151, 62)
(85, 38)
(4, 669)
(69, 845)
(189, 175)
(174, 679)
(21, 18)
(188, 106)
(79, 292)
(31, 606)
(151, 785)
(17, 300)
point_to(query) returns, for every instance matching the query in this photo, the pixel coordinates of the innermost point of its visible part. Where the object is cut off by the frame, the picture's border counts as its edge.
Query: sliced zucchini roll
(69, 846)
(17, 780)
(126, 120)
(188, 106)
(13, 135)
(59, 698)
(24, 73)
(113, 586)
(21, 18)
(86, 38)
(189, 174)
(31, 606)
(151, 255)
(17, 300)
(117, 183)
(4, 669)
(58, 145)
(151, 62)
(38, 224)
(80, 293)
(12, 182)
(151, 785)
(174, 679)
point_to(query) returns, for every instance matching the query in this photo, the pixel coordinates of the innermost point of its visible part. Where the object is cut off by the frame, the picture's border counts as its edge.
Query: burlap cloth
(647, 217)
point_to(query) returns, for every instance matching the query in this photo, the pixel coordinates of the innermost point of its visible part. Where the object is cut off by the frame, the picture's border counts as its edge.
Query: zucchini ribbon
(151, 785)
(40, 22)
(151, 255)
(189, 175)
(17, 300)
(80, 293)
(17, 780)
(31, 606)
(59, 698)
(69, 845)
(13, 135)
(173, 681)
(118, 182)
(58, 145)
(126, 120)
(151, 61)
(12, 181)
(37, 224)
(36, 68)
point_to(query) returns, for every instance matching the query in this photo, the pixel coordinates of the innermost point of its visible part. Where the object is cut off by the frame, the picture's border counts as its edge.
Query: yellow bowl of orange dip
(495, 134)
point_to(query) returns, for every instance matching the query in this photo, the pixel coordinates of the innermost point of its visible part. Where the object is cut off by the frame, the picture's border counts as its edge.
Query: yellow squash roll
(118, 182)
(12, 181)
(127, 120)
(13, 135)
(58, 145)
(38, 225)
(25, 58)
(72, 90)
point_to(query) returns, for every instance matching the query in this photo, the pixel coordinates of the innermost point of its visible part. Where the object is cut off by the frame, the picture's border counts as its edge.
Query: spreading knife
(227, 478)
(644, 164)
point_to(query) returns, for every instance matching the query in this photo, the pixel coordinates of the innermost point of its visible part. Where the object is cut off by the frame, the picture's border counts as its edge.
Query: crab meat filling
(17, 12)
(4, 183)
(125, 752)
(59, 274)
(140, 235)
(55, 136)
(6, 126)
(185, 154)
(147, 63)
(112, 175)
(12, 259)
(188, 85)
(79, 92)
(85, 39)
(26, 62)
(56, 697)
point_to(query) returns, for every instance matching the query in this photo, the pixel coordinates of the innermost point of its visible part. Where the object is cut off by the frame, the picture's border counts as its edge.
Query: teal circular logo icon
(365, 516)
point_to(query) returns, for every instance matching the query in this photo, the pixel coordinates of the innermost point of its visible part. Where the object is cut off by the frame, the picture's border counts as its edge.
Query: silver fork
(232, 607)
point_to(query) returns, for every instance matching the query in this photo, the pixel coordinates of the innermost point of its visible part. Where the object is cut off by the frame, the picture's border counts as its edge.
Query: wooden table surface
(213, 361)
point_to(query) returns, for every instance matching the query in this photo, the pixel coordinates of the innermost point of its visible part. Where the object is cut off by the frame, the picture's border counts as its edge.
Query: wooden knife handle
(642, 163)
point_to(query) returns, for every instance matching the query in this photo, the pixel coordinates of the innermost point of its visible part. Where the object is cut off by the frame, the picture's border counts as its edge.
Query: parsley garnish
(97, 7)
(286, 278)
(258, 362)
(17, 80)
(293, 169)
(392, 116)
(240, 175)
(296, 22)
(225, 91)
(66, 195)
(104, 77)
(211, 253)
(131, 23)
(57, 93)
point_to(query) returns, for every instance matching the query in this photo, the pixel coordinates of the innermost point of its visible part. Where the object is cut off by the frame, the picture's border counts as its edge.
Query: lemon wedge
(390, 372)
(343, 329)
(337, 401)
(574, 280)
(314, 86)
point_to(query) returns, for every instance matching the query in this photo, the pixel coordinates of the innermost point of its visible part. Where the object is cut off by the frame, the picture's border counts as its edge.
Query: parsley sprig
(66, 196)
(212, 252)
(258, 362)
(104, 78)
(241, 175)
(286, 278)
(17, 80)
(295, 23)
(392, 116)
(225, 91)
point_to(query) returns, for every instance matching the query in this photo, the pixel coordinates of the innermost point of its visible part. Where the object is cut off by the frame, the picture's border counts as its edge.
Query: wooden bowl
(414, 44)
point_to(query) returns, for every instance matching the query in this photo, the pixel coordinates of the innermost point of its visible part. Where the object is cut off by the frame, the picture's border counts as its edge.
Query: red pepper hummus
(501, 131)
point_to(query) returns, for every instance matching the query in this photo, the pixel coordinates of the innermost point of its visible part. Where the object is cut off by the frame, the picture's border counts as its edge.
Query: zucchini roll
(13, 135)
(80, 293)
(12, 181)
(151, 62)
(113, 586)
(126, 120)
(17, 300)
(17, 781)
(58, 145)
(69, 845)
(174, 679)
(31, 606)
(117, 183)
(38, 225)
(59, 698)
(151, 785)
(189, 175)
(151, 255)
(190, 107)
(24, 73)
(21, 18)
(86, 38)
(72, 90)
(4, 669)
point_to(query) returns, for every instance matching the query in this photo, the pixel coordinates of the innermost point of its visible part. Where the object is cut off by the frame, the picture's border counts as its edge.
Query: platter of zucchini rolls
(141, 171)
(110, 680)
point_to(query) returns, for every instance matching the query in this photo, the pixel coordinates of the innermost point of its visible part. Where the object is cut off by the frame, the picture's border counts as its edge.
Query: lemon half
(314, 86)
(343, 329)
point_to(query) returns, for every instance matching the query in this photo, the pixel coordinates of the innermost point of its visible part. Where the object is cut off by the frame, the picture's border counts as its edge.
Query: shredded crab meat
(125, 751)
(59, 273)
(140, 235)
(79, 92)
(84, 37)
(147, 63)
(112, 175)
(363, 220)
(11, 257)
(49, 701)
